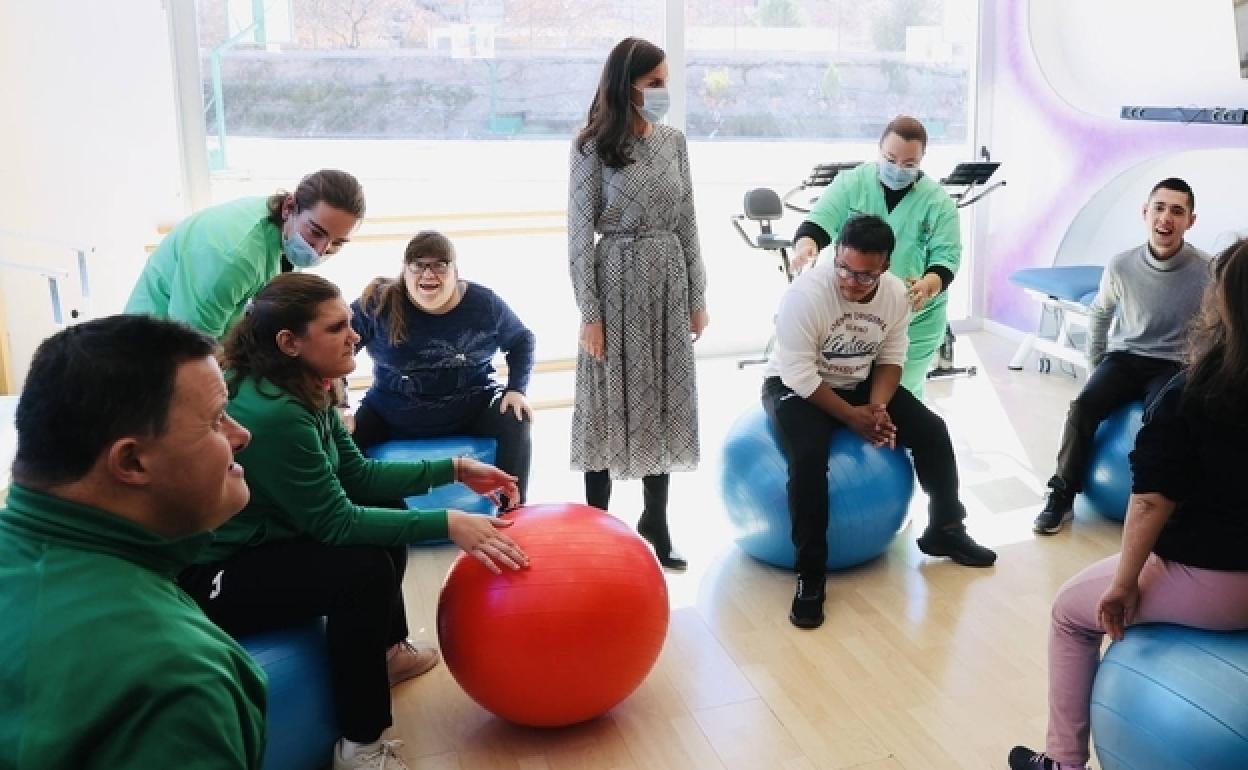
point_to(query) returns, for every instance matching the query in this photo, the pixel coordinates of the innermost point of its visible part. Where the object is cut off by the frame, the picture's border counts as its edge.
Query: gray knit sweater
(1153, 301)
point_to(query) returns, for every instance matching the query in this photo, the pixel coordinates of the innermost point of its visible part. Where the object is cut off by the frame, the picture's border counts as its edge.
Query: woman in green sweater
(324, 533)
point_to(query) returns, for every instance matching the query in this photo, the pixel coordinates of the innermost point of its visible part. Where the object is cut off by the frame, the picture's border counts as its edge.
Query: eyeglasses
(438, 266)
(862, 278)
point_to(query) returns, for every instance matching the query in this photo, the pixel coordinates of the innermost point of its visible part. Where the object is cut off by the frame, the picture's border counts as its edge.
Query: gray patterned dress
(636, 414)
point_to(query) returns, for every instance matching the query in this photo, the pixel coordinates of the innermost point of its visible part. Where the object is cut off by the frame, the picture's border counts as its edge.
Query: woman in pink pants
(1184, 556)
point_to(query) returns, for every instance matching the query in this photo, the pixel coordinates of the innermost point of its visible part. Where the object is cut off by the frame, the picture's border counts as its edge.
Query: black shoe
(957, 545)
(1058, 510)
(1023, 758)
(661, 541)
(807, 610)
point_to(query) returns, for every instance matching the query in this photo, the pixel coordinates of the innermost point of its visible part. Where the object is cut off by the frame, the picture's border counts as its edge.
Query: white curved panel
(1103, 54)
(1112, 220)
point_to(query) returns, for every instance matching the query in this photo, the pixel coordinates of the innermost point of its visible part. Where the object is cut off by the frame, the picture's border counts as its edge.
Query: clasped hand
(873, 423)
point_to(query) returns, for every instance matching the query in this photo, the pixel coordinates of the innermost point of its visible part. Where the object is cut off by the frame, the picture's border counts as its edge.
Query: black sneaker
(1058, 510)
(1023, 758)
(807, 610)
(957, 545)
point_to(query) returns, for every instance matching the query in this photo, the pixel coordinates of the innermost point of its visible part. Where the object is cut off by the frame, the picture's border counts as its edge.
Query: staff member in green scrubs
(205, 270)
(924, 219)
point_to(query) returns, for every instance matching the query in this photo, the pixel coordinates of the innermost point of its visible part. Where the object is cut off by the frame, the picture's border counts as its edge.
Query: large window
(828, 70)
(776, 86)
(457, 115)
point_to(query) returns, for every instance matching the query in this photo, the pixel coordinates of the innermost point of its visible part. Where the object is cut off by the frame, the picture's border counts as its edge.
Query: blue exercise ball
(300, 724)
(869, 492)
(450, 495)
(1107, 480)
(1172, 697)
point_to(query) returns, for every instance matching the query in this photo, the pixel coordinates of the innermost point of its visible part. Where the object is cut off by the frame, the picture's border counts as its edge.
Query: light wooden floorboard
(920, 664)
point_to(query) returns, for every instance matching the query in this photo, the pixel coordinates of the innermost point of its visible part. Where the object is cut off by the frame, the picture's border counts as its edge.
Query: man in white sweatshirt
(840, 345)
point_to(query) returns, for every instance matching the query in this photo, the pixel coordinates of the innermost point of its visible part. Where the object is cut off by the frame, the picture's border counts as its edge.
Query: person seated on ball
(318, 537)
(125, 461)
(925, 222)
(432, 337)
(1152, 291)
(840, 345)
(1184, 556)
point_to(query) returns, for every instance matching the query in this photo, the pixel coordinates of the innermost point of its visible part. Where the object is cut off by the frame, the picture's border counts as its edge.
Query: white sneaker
(409, 659)
(383, 755)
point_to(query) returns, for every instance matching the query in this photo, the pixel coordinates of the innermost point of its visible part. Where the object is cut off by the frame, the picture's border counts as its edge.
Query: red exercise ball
(565, 639)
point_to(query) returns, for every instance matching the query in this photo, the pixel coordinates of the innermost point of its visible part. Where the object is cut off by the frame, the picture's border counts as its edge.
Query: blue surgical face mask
(895, 177)
(654, 103)
(299, 253)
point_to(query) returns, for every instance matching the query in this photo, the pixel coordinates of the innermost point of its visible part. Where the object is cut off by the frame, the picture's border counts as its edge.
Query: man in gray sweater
(1153, 291)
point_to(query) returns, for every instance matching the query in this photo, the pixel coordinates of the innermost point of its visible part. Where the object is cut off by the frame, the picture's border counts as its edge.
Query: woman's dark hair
(610, 123)
(1218, 344)
(336, 188)
(94, 383)
(388, 296)
(290, 301)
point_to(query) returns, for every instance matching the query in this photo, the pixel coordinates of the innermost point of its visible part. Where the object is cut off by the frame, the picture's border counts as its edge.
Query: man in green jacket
(214, 261)
(125, 461)
(924, 219)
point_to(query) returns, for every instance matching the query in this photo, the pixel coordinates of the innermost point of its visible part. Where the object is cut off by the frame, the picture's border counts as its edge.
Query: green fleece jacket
(306, 475)
(104, 662)
(215, 260)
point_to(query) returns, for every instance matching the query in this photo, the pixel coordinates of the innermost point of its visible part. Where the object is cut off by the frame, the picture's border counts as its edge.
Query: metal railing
(54, 275)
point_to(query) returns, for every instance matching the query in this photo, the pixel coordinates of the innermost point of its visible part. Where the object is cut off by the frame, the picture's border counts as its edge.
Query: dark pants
(804, 431)
(1119, 379)
(515, 448)
(357, 588)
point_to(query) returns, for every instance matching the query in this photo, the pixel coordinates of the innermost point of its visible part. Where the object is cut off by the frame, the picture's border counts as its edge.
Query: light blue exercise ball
(1173, 698)
(454, 495)
(1107, 480)
(869, 493)
(300, 725)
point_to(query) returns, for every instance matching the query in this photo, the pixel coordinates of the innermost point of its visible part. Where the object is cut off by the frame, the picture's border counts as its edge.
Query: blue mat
(451, 495)
(1073, 283)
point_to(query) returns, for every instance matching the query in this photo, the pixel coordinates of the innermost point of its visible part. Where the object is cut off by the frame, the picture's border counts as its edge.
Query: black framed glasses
(860, 277)
(438, 266)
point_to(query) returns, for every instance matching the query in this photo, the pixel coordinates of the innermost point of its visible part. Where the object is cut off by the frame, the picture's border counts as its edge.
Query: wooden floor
(920, 664)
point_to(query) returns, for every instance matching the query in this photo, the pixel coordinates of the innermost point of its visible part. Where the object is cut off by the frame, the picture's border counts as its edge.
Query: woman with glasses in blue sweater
(432, 337)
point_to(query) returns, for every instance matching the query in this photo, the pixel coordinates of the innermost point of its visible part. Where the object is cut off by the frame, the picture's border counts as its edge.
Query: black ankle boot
(653, 522)
(598, 489)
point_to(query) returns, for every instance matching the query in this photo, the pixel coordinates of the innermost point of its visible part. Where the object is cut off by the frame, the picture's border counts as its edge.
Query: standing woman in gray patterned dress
(641, 289)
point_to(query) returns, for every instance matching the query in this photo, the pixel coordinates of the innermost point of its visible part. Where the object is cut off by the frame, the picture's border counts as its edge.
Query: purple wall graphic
(1055, 156)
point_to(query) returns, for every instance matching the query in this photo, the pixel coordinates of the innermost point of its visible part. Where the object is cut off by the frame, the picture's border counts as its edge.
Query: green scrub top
(206, 269)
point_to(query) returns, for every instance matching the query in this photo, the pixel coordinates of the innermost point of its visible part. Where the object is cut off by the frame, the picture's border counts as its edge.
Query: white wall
(89, 149)
(1112, 220)
(1102, 55)
(1054, 77)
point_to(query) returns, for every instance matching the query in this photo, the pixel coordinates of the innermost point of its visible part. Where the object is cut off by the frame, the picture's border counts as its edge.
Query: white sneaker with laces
(382, 755)
(409, 659)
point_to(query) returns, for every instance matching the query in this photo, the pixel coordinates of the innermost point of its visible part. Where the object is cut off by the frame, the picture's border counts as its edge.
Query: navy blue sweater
(437, 379)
